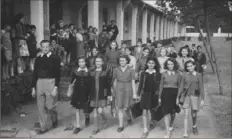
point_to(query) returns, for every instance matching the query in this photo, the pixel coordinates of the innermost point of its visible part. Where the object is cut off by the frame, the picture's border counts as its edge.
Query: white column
(93, 13)
(134, 25)
(111, 13)
(168, 29)
(152, 23)
(157, 28)
(161, 29)
(46, 20)
(144, 26)
(120, 21)
(176, 29)
(37, 18)
(165, 28)
(173, 29)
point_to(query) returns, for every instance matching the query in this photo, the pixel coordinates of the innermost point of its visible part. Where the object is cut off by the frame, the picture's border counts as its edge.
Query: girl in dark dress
(169, 89)
(31, 42)
(91, 59)
(99, 93)
(82, 85)
(148, 89)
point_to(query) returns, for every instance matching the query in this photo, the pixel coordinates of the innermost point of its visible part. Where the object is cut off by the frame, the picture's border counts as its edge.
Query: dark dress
(99, 88)
(200, 59)
(82, 86)
(73, 47)
(31, 42)
(148, 88)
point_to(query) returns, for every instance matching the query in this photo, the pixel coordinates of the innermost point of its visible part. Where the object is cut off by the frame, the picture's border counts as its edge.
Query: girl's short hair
(84, 58)
(130, 49)
(157, 65)
(124, 56)
(166, 51)
(176, 65)
(184, 47)
(186, 63)
(199, 46)
(113, 41)
(146, 48)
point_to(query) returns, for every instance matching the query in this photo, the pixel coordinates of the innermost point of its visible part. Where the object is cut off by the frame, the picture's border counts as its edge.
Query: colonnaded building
(135, 18)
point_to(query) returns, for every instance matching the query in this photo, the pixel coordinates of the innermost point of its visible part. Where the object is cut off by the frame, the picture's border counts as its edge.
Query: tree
(206, 14)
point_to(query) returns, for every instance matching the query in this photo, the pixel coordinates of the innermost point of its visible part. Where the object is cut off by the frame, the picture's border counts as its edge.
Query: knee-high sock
(186, 121)
(120, 117)
(78, 125)
(166, 120)
(172, 115)
(145, 121)
(96, 123)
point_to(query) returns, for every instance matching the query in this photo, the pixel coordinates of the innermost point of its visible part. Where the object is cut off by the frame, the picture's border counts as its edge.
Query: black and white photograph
(116, 69)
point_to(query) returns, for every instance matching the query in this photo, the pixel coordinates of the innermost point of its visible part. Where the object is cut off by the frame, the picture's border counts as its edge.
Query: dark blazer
(143, 77)
(20, 31)
(115, 27)
(200, 59)
(104, 84)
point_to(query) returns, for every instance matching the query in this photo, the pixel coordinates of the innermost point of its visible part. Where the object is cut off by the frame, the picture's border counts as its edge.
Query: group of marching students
(139, 78)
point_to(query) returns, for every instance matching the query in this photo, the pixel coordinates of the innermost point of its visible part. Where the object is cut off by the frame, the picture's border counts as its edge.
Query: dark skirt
(168, 100)
(148, 100)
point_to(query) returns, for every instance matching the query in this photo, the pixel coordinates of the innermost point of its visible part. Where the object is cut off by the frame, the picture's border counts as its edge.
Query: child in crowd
(162, 59)
(32, 46)
(128, 51)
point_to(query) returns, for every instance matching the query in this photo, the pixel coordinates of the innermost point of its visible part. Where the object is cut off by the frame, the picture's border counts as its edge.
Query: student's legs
(166, 121)
(102, 114)
(120, 117)
(194, 117)
(186, 112)
(145, 115)
(96, 119)
(129, 116)
(172, 115)
(78, 125)
(19, 65)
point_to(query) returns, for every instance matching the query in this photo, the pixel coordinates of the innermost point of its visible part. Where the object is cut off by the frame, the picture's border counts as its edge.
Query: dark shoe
(87, 121)
(120, 129)
(152, 126)
(144, 135)
(70, 127)
(129, 122)
(39, 132)
(76, 130)
(37, 125)
(195, 131)
(95, 131)
(55, 124)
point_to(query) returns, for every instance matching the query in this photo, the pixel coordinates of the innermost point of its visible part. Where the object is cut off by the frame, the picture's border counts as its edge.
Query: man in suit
(200, 59)
(46, 78)
(114, 28)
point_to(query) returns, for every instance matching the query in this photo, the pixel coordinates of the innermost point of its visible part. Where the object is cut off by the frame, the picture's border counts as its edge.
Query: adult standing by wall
(114, 28)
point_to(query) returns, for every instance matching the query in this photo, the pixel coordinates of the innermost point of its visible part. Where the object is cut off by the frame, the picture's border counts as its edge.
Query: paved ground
(67, 115)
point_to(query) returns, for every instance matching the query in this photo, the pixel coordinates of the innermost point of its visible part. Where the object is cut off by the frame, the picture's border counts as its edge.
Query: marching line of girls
(162, 81)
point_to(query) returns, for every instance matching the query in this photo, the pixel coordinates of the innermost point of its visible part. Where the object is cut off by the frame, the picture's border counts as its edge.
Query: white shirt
(48, 54)
(171, 73)
(132, 63)
(150, 72)
(80, 69)
(194, 73)
(79, 37)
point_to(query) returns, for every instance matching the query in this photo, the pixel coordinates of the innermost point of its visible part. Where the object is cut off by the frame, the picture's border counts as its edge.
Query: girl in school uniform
(168, 91)
(128, 51)
(148, 89)
(124, 89)
(184, 56)
(99, 93)
(91, 59)
(81, 95)
(192, 81)
(162, 59)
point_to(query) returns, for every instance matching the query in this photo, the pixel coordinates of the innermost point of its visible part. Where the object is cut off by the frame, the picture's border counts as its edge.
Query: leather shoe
(76, 130)
(39, 132)
(120, 129)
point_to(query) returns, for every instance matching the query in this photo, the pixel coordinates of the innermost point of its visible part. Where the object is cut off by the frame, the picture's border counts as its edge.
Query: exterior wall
(23, 6)
(127, 23)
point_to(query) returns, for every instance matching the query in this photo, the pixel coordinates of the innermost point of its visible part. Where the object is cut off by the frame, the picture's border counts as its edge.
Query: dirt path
(67, 116)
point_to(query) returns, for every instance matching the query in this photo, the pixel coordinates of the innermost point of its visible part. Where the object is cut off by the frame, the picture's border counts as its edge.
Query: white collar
(48, 54)
(150, 72)
(98, 69)
(123, 68)
(193, 73)
(171, 73)
(79, 69)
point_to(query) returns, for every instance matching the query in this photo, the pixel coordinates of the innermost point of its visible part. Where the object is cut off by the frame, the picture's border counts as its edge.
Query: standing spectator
(193, 50)
(132, 63)
(157, 49)
(141, 62)
(148, 90)
(123, 47)
(194, 97)
(103, 40)
(138, 49)
(124, 90)
(91, 40)
(32, 46)
(81, 94)
(46, 78)
(95, 31)
(91, 59)
(184, 56)
(99, 92)
(58, 50)
(21, 37)
(200, 59)
(151, 47)
(162, 59)
(114, 28)
(80, 43)
(7, 46)
(169, 88)
(72, 43)
(172, 52)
